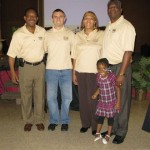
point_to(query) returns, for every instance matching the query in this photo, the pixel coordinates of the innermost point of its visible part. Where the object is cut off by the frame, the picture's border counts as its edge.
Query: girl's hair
(58, 10)
(104, 62)
(93, 15)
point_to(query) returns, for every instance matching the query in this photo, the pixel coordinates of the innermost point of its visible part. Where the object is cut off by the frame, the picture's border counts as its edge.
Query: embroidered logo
(113, 30)
(40, 38)
(95, 40)
(65, 38)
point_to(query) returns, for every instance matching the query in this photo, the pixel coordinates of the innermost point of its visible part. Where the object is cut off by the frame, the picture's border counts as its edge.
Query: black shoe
(64, 127)
(83, 130)
(118, 139)
(52, 126)
(103, 134)
(74, 108)
(94, 132)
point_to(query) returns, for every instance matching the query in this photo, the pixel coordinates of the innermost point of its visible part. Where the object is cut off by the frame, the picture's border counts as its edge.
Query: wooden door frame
(40, 9)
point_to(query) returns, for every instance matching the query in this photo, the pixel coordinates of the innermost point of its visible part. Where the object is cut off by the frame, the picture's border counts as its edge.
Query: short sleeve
(15, 46)
(74, 50)
(129, 36)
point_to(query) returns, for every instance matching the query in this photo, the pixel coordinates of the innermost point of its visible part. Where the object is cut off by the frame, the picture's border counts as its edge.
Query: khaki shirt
(58, 44)
(118, 38)
(27, 45)
(87, 51)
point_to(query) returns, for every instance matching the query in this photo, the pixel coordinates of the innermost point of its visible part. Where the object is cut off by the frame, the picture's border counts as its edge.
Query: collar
(93, 32)
(56, 30)
(26, 30)
(117, 21)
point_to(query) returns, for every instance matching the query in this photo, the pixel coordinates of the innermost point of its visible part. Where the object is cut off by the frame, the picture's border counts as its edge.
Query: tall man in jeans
(58, 44)
(118, 46)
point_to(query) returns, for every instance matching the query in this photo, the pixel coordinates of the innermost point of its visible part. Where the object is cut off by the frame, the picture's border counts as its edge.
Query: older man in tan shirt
(27, 46)
(59, 43)
(118, 46)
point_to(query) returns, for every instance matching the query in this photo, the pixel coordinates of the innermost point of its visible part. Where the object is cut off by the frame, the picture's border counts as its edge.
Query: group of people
(99, 62)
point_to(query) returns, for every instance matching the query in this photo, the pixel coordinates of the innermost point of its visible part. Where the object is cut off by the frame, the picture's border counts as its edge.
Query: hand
(14, 78)
(74, 78)
(120, 80)
(117, 106)
(94, 96)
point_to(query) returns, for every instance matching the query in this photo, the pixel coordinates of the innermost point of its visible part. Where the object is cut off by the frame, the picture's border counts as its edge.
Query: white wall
(75, 9)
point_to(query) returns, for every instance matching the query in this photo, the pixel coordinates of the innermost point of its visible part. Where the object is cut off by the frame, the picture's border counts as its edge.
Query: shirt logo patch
(40, 38)
(114, 30)
(95, 40)
(65, 38)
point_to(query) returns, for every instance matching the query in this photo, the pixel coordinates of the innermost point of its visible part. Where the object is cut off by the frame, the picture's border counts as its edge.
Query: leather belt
(33, 64)
(111, 65)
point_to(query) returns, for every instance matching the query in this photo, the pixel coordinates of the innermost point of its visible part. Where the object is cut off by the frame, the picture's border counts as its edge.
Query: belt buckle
(37, 63)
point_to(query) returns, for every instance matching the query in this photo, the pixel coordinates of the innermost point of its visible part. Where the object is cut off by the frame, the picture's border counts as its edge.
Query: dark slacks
(146, 124)
(86, 88)
(120, 126)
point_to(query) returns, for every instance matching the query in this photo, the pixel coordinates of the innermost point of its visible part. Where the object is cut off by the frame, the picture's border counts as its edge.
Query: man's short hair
(33, 9)
(116, 2)
(58, 10)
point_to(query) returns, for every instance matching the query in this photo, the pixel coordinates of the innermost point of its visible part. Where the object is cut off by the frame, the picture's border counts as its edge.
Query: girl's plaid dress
(107, 95)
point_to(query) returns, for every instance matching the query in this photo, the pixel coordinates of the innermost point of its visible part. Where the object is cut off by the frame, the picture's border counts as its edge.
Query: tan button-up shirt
(59, 44)
(118, 38)
(87, 51)
(27, 45)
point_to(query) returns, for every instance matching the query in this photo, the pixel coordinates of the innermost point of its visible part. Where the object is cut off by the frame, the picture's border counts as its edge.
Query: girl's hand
(94, 96)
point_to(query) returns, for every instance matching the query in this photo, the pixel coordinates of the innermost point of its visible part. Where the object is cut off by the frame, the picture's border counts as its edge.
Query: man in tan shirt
(118, 46)
(27, 46)
(59, 43)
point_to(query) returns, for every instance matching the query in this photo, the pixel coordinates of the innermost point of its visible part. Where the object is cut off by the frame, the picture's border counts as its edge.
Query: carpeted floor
(12, 136)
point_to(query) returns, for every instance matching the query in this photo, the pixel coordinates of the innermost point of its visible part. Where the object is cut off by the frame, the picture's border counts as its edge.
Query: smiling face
(58, 19)
(114, 11)
(31, 18)
(89, 21)
(102, 70)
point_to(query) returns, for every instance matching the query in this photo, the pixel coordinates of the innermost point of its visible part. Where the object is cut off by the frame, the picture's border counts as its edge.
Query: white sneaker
(97, 136)
(104, 139)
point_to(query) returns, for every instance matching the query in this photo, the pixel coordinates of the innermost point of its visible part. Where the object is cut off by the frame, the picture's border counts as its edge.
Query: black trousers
(120, 126)
(86, 87)
(146, 123)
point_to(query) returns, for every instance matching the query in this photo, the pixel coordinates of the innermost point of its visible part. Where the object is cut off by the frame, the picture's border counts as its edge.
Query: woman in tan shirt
(88, 43)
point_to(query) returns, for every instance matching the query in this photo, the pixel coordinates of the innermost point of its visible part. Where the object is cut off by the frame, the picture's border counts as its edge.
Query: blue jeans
(64, 79)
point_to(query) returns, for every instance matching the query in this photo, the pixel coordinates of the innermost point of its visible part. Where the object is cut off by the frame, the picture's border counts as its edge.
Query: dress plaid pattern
(107, 98)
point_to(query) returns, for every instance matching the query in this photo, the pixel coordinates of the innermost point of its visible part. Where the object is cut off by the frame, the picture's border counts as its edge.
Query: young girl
(109, 98)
